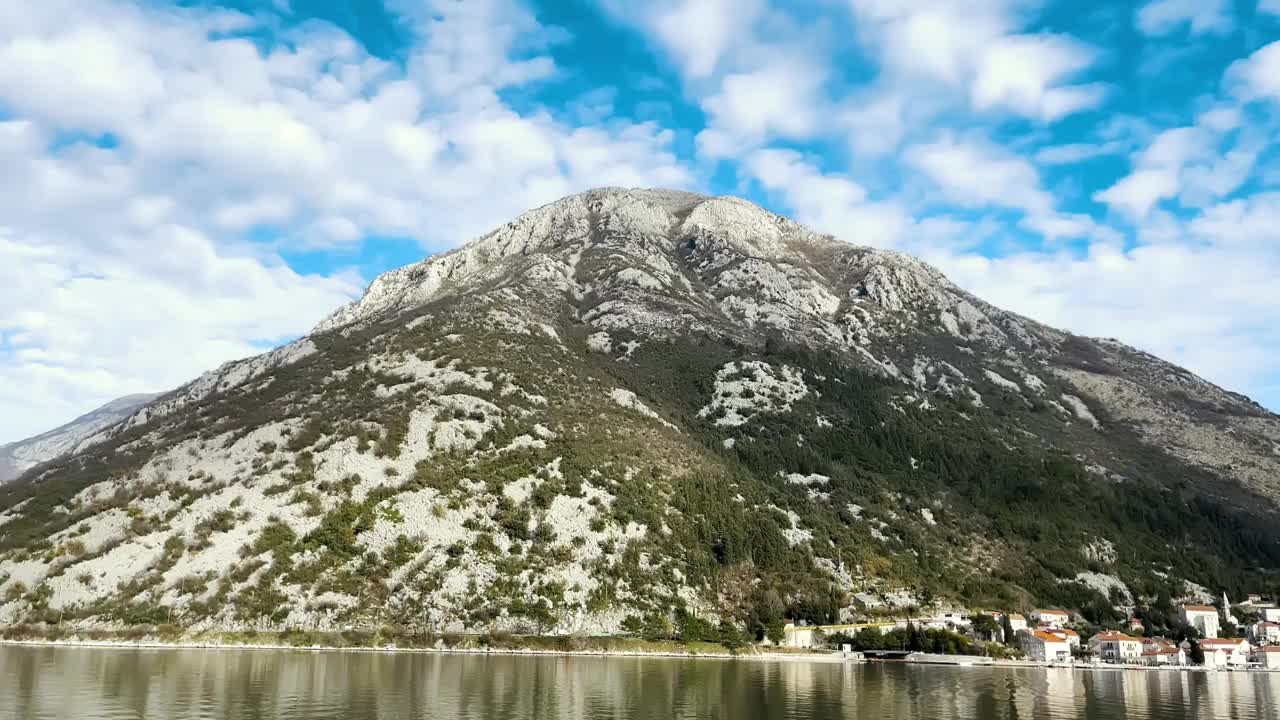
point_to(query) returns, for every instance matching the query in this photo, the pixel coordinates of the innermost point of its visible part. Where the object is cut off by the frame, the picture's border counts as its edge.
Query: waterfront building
(1116, 647)
(1040, 646)
(1204, 618)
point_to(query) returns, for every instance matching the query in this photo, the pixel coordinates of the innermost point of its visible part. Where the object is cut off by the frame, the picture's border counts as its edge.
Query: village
(1245, 636)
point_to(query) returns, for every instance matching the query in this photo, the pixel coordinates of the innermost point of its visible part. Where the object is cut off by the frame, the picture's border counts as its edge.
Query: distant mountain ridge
(629, 408)
(18, 457)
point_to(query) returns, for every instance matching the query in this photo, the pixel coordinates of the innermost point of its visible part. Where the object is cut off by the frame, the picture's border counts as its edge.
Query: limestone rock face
(633, 405)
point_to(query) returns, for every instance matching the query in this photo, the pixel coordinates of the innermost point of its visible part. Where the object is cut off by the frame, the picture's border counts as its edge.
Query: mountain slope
(631, 405)
(17, 457)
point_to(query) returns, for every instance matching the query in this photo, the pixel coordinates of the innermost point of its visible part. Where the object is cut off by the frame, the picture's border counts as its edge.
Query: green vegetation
(1012, 511)
(912, 639)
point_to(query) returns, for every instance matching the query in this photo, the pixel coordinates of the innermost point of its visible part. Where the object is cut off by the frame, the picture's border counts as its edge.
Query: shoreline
(832, 657)
(152, 644)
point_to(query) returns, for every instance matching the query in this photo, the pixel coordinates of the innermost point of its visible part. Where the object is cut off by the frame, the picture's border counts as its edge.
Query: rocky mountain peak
(635, 406)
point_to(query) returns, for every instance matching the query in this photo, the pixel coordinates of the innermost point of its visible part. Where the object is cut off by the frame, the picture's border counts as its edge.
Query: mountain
(18, 457)
(633, 407)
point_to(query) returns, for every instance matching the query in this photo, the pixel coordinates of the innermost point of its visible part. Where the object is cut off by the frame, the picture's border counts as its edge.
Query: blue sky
(189, 182)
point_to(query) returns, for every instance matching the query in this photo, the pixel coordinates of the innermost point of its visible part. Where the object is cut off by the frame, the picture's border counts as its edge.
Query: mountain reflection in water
(65, 682)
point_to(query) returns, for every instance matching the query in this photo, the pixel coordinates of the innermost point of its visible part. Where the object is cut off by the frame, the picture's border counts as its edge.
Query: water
(47, 682)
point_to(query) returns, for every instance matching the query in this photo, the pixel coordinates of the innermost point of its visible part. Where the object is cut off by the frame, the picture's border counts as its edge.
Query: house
(799, 636)
(1017, 622)
(1071, 637)
(1270, 613)
(803, 635)
(1042, 647)
(953, 619)
(1204, 618)
(1267, 657)
(1265, 633)
(1225, 652)
(1116, 647)
(1135, 625)
(1252, 599)
(1158, 651)
(1050, 618)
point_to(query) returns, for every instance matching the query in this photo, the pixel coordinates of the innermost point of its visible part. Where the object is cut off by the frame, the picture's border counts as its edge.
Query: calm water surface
(44, 682)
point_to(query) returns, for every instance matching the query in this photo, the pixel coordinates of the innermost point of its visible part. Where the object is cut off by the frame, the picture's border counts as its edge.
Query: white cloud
(1023, 73)
(980, 174)
(143, 245)
(978, 47)
(830, 203)
(1195, 164)
(780, 98)
(699, 32)
(839, 205)
(1137, 193)
(1162, 17)
(1155, 297)
(1258, 76)
(1075, 152)
(86, 328)
(931, 38)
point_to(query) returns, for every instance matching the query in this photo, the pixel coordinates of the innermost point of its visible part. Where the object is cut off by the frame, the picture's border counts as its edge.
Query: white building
(1219, 652)
(1116, 647)
(1267, 657)
(1265, 633)
(1270, 614)
(955, 619)
(1050, 618)
(1070, 636)
(1204, 618)
(1160, 652)
(1017, 623)
(1042, 647)
(799, 636)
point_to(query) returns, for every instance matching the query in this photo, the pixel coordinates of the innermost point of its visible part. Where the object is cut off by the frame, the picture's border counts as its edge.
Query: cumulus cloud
(151, 150)
(979, 46)
(1162, 17)
(1257, 77)
(980, 174)
(1022, 73)
(777, 99)
(1196, 164)
(699, 32)
(1163, 298)
(828, 202)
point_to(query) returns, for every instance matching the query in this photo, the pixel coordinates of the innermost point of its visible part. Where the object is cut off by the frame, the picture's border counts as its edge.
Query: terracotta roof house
(1225, 652)
(1042, 647)
(1116, 647)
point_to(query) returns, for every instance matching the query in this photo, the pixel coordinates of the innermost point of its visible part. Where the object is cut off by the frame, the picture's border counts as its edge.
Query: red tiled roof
(1016, 616)
(1200, 608)
(1113, 636)
(1223, 642)
(1050, 612)
(1269, 649)
(1046, 637)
